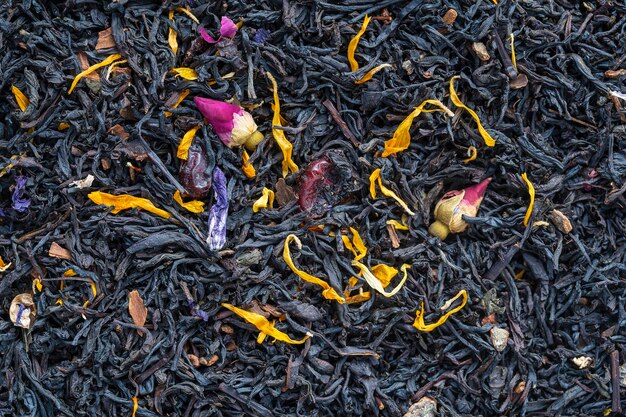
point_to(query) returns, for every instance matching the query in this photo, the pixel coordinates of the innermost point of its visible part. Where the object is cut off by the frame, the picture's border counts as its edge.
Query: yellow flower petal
(371, 73)
(397, 225)
(264, 326)
(355, 42)
(358, 244)
(37, 285)
(489, 141)
(94, 289)
(419, 315)
(182, 96)
(384, 273)
(69, 273)
(188, 13)
(375, 283)
(193, 206)
(348, 244)
(125, 201)
(135, 406)
(472, 153)
(92, 68)
(185, 143)
(4, 266)
(376, 177)
(265, 201)
(329, 293)
(247, 167)
(63, 126)
(279, 135)
(512, 43)
(171, 37)
(531, 192)
(186, 73)
(402, 138)
(112, 67)
(22, 100)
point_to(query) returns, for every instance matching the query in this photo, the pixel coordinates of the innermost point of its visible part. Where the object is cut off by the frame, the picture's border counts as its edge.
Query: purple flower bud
(20, 203)
(217, 216)
(228, 30)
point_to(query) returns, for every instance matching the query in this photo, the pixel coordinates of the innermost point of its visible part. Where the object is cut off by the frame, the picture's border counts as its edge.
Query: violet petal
(217, 216)
(228, 29)
(261, 35)
(20, 203)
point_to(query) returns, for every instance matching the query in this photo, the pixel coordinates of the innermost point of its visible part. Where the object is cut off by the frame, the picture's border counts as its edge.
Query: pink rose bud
(231, 123)
(228, 30)
(453, 205)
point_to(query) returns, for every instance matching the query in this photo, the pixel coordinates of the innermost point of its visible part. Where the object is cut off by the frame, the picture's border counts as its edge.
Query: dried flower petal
(19, 202)
(4, 266)
(329, 293)
(180, 99)
(355, 42)
(185, 143)
(266, 200)
(357, 243)
(376, 177)
(228, 30)
(531, 192)
(20, 98)
(188, 13)
(193, 206)
(171, 37)
(472, 153)
(92, 68)
(419, 323)
(397, 225)
(219, 212)
(279, 135)
(371, 73)
(137, 309)
(402, 138)
(126, 201)
(186, 73)
(135, 406)
(512, 43)
(376, 284)
(384, 273)
(489, 141)
(247, 167)
(264, 326)
(23, 311)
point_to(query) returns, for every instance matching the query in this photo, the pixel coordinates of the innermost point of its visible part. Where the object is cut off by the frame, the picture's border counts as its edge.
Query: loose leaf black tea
(224, 208)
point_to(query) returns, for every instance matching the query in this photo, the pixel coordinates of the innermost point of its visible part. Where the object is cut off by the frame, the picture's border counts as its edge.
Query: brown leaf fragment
(450, 16)
(105, 40)
(480, 50)
(119, 131)
(561, 221)
(137, 309)
(615, 73)
(284, 193)
(520, 82)
(84, 64)
(57, 251)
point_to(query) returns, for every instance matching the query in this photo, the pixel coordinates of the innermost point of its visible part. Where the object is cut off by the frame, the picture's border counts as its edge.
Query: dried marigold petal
(4, 266)
(357, 243)
(92, 68)
(376, 177)
(531, 192)
(264, 326)
(171, 37)
(279, 135)
(186, 73)
(247, 167)
(397, 225)
(384, 273)
(375, 282)
(266, 200)
(489, 141)
(20, 98)
(112, 67)
(188, 13)
(472, 153)
(402, 138)
(185, 143)
(135, 406)
(355, 42)
(419, 315)
(182, 96)
(512, 43)
(329, 293)
(126, 201)
(194, 206)
(371, 73)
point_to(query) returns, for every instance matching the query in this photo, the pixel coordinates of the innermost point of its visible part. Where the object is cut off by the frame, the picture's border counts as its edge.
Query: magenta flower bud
(228, 30)
(233, 125)
(453, 205)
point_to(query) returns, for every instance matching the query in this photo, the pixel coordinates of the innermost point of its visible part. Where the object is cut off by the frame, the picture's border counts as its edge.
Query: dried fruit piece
(561, 221)
(193, 173)
(480, 50)
(23, 311)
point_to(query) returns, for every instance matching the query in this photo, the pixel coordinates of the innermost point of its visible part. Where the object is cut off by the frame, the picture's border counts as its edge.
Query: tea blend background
(560, 296)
